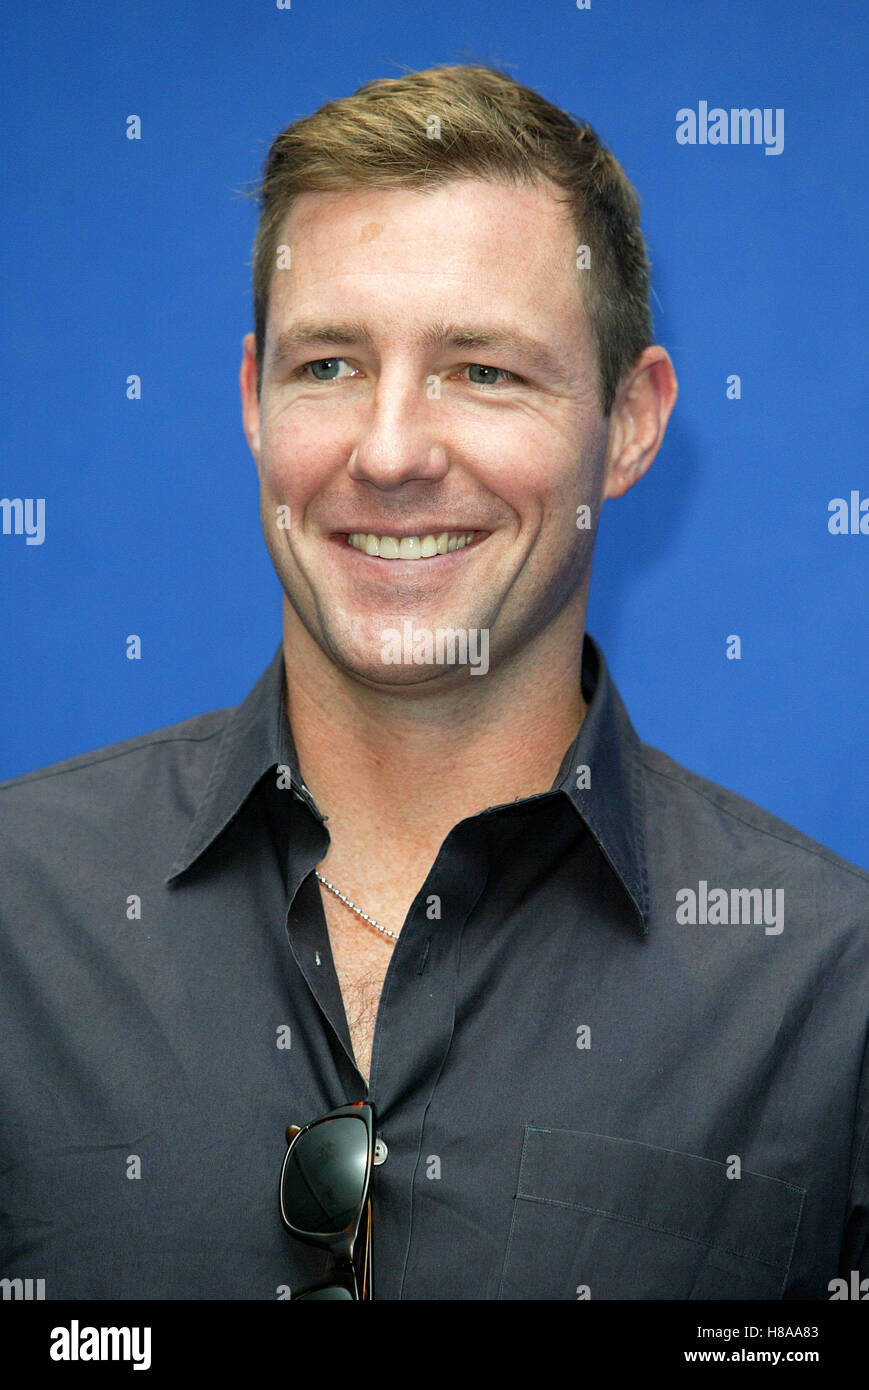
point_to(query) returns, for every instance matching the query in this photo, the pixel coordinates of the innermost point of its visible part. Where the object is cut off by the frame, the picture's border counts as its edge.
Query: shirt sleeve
(855, 1243)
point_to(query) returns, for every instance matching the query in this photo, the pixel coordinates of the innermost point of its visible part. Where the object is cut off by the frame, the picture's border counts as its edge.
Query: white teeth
(409, 547)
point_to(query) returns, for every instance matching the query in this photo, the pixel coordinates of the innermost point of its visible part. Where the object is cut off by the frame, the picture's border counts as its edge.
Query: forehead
(504, 209)
(484, 246)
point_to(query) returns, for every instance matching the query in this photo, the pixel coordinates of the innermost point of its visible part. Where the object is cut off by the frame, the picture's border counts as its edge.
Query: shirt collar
(257, 739)
(609, 755)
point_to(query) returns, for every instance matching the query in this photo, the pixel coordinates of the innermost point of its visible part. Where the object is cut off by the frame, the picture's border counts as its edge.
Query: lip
(405, 531)
(342, 539)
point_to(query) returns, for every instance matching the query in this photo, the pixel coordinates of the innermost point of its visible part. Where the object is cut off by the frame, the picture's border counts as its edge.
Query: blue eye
(480, 367)
(327, 362)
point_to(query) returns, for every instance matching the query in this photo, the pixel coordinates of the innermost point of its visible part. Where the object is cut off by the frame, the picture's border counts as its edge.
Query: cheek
(293, 467)
(539, 480)
(507, 456)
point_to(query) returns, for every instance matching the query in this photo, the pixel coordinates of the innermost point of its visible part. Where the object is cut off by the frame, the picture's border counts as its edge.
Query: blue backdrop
(125, 257)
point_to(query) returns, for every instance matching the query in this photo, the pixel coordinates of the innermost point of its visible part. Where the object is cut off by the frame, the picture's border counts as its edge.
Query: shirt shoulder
(715, 817)
(110, 795)
(164, 743)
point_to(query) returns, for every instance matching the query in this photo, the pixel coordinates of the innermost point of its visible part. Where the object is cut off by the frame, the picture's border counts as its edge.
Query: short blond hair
(491, 127)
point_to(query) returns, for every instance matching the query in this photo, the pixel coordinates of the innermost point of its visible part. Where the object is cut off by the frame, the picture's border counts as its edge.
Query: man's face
(377, 418)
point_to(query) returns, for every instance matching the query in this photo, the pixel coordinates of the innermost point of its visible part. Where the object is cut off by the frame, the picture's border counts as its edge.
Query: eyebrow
(435, 335)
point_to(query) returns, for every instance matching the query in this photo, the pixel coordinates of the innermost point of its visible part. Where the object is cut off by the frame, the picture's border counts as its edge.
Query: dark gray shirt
(583, 1091)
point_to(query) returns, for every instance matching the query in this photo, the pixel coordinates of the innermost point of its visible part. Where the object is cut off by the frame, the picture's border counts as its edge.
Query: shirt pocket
(625, 1220)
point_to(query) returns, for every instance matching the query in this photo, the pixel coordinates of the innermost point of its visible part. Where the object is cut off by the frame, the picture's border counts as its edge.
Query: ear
(638, 419)
(250, 406)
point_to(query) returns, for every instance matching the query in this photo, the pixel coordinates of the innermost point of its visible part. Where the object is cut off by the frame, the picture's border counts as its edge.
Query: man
(611, 1017)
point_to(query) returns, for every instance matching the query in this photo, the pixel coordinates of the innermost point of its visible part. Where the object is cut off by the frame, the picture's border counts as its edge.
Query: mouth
(428, 546)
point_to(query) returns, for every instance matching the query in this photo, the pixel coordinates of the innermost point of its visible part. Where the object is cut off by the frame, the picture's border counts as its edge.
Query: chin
(368, 667)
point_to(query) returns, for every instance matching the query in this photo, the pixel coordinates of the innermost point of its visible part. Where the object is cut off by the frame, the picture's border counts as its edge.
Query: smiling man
(405, 487)
(427, 875)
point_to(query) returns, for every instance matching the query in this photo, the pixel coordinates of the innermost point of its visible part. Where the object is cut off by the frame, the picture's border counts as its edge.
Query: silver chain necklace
(364, 915)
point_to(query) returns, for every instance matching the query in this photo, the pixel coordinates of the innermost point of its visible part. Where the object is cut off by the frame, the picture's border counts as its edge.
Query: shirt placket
(414, 1025)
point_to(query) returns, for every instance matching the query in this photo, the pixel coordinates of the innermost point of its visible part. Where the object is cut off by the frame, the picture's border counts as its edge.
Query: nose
(400, 442)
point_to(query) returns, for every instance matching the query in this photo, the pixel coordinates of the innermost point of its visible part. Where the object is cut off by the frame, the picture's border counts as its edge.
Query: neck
(401, 767)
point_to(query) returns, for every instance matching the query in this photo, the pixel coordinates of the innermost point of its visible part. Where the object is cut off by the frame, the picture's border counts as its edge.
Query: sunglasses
(324, 1196)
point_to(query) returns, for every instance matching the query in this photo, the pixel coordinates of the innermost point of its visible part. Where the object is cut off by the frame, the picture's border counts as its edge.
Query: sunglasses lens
(324, 1176)
(333, 1291)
